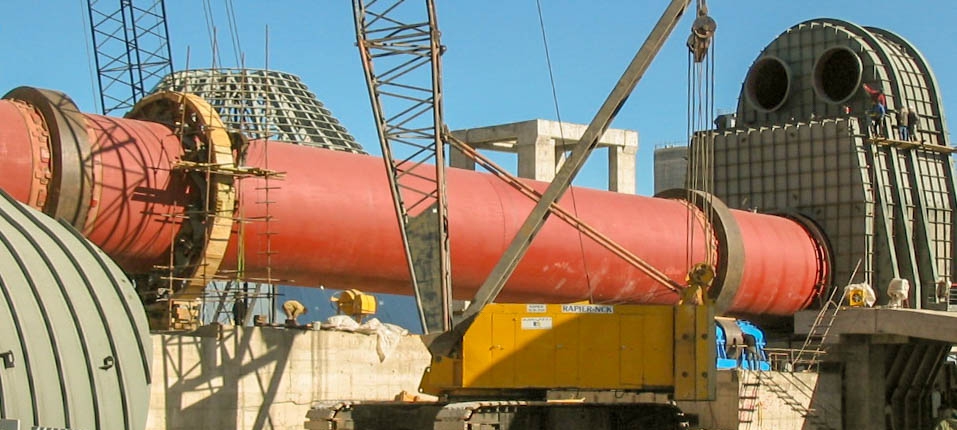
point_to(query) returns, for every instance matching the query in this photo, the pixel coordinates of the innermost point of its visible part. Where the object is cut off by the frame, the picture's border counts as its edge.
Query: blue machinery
(730, 340)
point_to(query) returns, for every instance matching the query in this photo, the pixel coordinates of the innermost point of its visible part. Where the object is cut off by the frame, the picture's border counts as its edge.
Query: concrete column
(459, 160)
(536, 157)
(826, 401)
(864, 383)
(621, 168)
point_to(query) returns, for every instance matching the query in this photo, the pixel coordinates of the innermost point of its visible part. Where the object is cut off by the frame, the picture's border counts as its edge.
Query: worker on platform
(877, 95)
(239, 311)
(902, 128)
(293, 310)
(878, 110)
(912, 121)
(877, 114)
(943, 290)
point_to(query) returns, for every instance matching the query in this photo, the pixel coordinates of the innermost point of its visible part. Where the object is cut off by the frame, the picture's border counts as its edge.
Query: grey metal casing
(796, 149)
(75, 338)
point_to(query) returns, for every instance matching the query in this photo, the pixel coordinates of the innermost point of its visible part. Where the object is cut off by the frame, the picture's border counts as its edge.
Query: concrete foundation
(540, 146)
(889, 360)
(268, 378)
(224, 377)
(775, 400)
(881, 371)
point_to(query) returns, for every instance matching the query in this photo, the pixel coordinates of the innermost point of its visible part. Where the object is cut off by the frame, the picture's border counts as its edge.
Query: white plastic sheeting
(388, 335)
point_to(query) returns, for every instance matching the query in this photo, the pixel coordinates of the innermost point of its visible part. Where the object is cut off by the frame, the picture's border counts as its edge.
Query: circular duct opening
(768, 84)
(837, 74)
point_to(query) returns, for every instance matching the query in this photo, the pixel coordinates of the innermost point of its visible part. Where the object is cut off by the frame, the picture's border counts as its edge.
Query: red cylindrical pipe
(136, 206)
(777, 253)
(332, 224)
(140, 202)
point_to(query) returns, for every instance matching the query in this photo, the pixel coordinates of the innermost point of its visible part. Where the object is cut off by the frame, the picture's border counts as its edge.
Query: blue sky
(494, 68)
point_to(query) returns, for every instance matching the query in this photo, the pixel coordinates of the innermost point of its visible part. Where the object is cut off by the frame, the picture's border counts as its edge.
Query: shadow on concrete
(208, 393)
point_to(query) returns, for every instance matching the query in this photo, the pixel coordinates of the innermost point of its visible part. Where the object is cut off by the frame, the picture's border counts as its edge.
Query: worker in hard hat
(293, 310)
(878, 110)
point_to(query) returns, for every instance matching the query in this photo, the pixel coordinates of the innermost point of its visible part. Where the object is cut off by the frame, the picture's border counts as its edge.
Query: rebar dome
(265, 104)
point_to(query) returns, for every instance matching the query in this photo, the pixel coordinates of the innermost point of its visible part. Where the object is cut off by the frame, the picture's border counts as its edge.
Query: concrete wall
(781, 396)
(776, 395)
(721, 414)
(671, 165)
(267, 378)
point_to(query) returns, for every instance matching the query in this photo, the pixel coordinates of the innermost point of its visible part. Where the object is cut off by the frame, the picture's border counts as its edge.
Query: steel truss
(132, 49)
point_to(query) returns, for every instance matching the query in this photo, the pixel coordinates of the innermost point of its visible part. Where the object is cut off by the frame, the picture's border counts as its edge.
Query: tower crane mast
(131, 43)
(406, 94)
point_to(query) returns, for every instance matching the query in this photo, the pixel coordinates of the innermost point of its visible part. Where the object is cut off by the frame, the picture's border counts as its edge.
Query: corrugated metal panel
(76, 332)
(817, 170)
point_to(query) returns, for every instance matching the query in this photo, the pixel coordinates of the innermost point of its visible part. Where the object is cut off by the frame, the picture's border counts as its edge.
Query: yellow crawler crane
(556, 366)
(521, 366)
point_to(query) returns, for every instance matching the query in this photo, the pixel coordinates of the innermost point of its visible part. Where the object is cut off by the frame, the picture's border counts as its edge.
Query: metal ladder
(813, 346)
(808, 356)
(748, 397)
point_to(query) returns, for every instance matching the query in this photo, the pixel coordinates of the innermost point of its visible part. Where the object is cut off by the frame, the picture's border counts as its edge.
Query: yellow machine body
(648, 348)
(355, 303)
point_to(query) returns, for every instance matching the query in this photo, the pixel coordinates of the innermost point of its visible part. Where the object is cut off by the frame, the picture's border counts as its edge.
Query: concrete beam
(913, 323)
(540, 146)
(504, 137)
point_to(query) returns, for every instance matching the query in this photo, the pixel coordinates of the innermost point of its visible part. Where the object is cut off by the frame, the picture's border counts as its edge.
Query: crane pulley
(702, 31)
